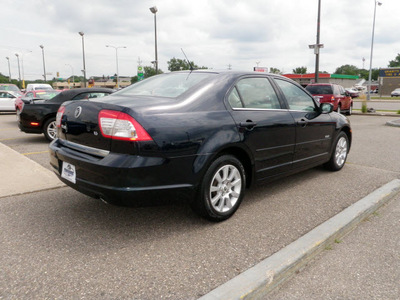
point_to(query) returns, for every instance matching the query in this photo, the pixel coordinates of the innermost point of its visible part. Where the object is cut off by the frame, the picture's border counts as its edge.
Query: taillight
(59, 115)
(121, 126)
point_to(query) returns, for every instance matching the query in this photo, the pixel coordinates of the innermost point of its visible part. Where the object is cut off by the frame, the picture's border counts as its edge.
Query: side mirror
(326, 108)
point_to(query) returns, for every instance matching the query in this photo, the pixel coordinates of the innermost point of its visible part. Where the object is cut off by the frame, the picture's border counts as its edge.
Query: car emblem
(78, 111)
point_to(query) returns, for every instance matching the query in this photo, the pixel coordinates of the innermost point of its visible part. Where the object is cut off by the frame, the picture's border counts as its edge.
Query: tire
(339, 109)
(221, 190)
(339, 153)
(50, 129)
(350, 111)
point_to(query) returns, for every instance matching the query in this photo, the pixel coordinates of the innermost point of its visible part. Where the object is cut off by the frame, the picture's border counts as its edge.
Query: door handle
(248, 125)
(302, 123)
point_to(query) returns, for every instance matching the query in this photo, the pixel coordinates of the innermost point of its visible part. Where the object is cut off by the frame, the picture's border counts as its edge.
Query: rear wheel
(339, 154)
(50, 129)
(221, 190)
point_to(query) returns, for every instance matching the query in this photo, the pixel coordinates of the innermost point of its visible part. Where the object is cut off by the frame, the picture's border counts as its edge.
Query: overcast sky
(213, 33)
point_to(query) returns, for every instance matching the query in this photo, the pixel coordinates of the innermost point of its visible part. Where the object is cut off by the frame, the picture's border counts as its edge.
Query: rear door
(264, 126)
(314, 131)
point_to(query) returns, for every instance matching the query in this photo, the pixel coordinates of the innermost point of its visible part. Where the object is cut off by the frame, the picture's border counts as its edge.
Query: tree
(395, 62)
(275, 71)
(300, 70)
(348, 70)
(176, 64)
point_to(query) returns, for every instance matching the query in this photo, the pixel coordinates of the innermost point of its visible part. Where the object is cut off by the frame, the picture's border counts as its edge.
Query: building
(347, 81)
(389, 79)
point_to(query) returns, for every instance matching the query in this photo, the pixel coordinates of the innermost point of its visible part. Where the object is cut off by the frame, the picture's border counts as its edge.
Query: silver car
(395, 93)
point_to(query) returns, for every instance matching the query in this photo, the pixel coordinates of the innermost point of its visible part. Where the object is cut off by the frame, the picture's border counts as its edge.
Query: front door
(314, 130)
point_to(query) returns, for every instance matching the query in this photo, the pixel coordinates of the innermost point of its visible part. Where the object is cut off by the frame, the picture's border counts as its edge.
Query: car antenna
(190, 64)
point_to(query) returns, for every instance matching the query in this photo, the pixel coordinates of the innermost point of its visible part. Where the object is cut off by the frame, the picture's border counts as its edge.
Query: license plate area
(68, 172)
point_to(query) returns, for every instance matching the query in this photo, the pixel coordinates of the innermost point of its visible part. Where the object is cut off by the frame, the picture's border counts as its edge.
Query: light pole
(372, 49)
(9, 70)
(83, 51)
(317, 45)
(22, 67)
(44, 65)
(73, 76)
(154, 11)
(116, 58)
(19, 70)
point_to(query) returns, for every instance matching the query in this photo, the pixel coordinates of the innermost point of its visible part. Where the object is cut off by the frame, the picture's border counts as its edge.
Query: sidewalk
(14, 167)
(363, 265)
(259, 281)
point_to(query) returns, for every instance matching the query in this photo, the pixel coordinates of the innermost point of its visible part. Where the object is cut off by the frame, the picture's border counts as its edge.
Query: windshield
(167, 85)
(10, 87)
(319, 89)
(46, 95)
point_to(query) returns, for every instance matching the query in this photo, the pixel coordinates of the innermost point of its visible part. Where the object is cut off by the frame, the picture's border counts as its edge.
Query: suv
(334, 94)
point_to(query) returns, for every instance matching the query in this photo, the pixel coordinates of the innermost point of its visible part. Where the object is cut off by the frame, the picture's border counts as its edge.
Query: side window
(295, 96)
(29, 95)
(234, 99)
(254, 93)
(2, 95)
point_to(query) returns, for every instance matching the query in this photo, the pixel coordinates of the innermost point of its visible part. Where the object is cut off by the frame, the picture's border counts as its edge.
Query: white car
(395, 93)
(7, 100)
(38, 86)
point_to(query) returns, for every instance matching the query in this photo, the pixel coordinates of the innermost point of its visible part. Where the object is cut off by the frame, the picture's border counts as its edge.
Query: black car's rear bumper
(123, 178)
(26, 129)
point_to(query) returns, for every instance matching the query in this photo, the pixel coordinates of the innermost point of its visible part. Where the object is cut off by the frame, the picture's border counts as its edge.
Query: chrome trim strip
(85, 149)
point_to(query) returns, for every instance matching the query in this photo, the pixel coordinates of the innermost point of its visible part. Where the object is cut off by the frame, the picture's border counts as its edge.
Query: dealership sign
(392, 72)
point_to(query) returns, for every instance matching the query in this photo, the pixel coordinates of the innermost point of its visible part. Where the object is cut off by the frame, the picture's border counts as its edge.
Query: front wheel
(339, 154)
(221, 190)
(50, 129)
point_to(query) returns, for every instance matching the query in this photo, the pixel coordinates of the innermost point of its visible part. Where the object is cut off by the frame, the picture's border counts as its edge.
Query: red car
(32, 96)
(334, 94)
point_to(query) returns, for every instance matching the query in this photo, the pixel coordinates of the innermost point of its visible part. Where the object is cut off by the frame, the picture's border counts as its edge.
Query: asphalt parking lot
(61, 244)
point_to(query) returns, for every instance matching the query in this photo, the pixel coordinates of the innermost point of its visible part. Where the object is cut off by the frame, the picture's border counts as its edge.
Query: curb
(395, 123)
(258, 281)
(376, 114)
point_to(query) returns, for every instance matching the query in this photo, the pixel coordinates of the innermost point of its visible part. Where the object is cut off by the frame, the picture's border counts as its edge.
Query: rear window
(319, 89)
(168, 85)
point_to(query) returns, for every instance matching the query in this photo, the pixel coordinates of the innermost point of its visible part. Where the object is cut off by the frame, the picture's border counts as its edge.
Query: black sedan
(204, 134)
(39, 116)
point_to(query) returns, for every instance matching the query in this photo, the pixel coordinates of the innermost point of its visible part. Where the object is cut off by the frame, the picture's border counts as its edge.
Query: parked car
(7, 100)
(395, 93)
(39, 116)
(38, 86)
(10, 87)
(34, 95)
(334, 94)
(354, 93)
(204, 134)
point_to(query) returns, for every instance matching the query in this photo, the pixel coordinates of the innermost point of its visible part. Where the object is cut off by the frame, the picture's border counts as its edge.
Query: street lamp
(22, 67)
(116, 57)
(83, 51)
(9, 70)
(44, 65)
(19, 70)
(372, 49)
(154, 11)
